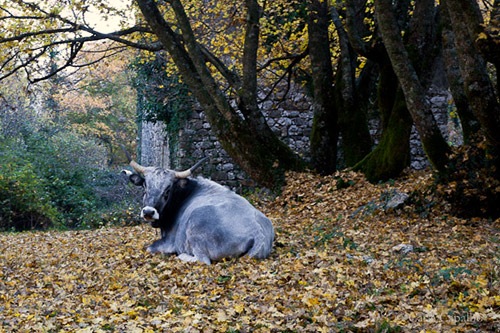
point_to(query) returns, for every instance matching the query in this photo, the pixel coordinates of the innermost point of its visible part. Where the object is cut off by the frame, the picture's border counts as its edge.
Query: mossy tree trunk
(392, 154)
(433, 142)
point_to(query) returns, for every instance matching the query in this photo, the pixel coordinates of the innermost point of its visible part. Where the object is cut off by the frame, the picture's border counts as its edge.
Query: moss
(392, 154)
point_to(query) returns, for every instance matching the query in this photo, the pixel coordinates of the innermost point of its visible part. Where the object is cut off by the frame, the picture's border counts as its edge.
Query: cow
(200, 220)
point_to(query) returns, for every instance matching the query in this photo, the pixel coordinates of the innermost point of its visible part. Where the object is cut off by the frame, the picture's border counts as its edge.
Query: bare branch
(296, 58)
(24, 64)
(116, 51)
(288, 71)
(75, 47)
(20, 37)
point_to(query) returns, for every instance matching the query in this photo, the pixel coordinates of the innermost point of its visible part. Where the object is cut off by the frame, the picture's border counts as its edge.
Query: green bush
(24, 202)
(57, 180)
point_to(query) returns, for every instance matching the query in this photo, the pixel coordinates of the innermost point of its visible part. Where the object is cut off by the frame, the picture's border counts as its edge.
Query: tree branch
(288, 72)
(75, 48)
(24, 64)
(296, 58)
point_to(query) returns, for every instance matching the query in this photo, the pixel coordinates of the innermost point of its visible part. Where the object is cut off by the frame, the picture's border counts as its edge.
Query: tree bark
(433, 143)
(248, 91)
(324, 133)
(392, 154)
(479, 89)
(248, 140)
(353, 122)
(470, 124)
(490, 44)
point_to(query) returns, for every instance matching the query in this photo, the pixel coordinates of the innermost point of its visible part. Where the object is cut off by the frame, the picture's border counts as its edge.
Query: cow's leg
(202, 257)
(187, 258)
(161, 246)
(198, 247)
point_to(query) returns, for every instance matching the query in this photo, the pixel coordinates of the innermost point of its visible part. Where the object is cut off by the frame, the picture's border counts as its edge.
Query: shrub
(58, 181)
(24, 202)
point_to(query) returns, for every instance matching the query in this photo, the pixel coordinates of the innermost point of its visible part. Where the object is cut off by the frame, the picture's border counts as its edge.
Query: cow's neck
(181, 190)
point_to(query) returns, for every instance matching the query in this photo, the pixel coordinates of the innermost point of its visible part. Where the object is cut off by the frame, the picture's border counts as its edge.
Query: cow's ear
(182, 183)
(136, 179)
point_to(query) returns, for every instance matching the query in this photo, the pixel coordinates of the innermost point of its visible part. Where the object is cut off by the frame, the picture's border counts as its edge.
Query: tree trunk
(474, 169)
(248, 140)
(490, 43)
(470, 125)
(324, 133)
(478, 87)
(392, 154)
(433, 142)
(353, 122)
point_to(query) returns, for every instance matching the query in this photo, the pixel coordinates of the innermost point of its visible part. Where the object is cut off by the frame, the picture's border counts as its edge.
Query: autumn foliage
(343, 262)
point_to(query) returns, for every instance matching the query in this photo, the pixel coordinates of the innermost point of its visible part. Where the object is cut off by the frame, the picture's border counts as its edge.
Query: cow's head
(158, 184)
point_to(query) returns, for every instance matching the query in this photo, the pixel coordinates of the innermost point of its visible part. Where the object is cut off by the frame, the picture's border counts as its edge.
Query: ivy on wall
(161, 98)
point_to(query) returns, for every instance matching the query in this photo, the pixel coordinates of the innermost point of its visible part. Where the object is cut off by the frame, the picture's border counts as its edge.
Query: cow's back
(224, 222)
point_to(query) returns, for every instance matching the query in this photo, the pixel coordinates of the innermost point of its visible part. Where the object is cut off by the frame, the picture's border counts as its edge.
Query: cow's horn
(188, 172)
(137, 167)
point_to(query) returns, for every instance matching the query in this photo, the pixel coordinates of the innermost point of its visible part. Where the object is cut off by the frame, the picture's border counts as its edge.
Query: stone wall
(291, 119)
(440, 101)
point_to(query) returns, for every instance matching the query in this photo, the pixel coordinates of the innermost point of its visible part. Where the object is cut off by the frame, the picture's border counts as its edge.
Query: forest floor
(342, 262)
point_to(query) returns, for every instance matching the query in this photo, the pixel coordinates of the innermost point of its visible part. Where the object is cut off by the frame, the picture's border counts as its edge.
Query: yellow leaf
(221, 316)
(482, 281)
(239, 308)
(187, 313)
(311, 301)
(132, 314)
(482, 35)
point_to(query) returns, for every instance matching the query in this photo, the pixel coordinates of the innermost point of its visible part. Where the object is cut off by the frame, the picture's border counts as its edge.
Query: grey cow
(200, 219)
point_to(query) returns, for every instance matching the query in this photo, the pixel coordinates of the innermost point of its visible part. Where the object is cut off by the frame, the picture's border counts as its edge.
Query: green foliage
(164, 98)
(65, 163)
(24, 202)
(56, 181)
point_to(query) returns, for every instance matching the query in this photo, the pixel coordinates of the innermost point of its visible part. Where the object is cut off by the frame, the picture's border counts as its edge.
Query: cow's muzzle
(150, 213)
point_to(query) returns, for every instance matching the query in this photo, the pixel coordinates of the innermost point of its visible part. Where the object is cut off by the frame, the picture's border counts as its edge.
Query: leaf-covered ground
(341, 263)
